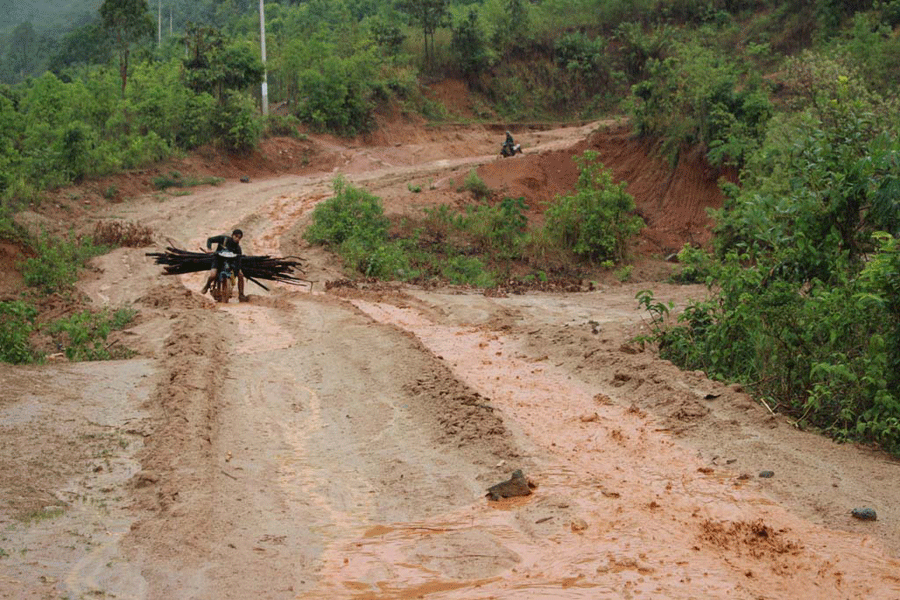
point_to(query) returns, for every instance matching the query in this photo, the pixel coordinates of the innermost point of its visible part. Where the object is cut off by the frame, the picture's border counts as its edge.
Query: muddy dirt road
(338, 444)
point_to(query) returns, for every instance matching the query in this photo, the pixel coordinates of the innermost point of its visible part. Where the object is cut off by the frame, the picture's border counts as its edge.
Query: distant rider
(231, 243)
(509, 146)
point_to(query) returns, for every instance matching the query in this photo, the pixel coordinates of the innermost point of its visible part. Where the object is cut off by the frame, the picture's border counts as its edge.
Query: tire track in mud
(649, 518)
(177, 461)
(287, 429)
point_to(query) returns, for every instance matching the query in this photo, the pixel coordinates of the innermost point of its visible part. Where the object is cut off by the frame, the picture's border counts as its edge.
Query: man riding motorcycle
(232, 244)
(509, 147)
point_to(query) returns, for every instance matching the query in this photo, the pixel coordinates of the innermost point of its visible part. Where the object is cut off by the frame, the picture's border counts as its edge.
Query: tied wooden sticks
(271, 268)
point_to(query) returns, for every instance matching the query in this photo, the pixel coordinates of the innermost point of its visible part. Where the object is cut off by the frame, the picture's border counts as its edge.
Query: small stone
(767, 474)
(864, 514)
(578, 525)
(517, 485)
(245, 179)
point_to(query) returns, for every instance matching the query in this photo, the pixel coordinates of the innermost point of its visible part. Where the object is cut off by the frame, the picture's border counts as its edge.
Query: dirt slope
(338, 444)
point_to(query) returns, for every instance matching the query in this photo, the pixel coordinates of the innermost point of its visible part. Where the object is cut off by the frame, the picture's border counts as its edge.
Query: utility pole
(262, 37)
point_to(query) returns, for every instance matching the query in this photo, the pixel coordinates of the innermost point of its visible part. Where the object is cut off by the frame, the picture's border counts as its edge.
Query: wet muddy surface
(340, 443)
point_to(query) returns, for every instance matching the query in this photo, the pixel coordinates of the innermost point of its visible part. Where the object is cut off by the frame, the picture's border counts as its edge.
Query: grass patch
(55, 268)
(84, 334)
(45, 514)
(175, 179)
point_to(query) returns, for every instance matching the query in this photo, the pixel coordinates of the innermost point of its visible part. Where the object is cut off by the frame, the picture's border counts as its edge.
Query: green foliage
(128, 22)
(352, 213)
(337, 93)
(387, 36)
(826, 179)
(700, 97)
(429, 15)
(55, 268)
(873, 48)
(624, 274)
(596, 221)
(467, 270)
(696, 265)
(586, 60)
(637, 47)
(236, 123)
(282, 126)
(469, 46)
(84, 334)
(804, 309)
(216, 65)
(476, 185)
(390, 260)
(16, 324)
(511, 25)
(498, 230)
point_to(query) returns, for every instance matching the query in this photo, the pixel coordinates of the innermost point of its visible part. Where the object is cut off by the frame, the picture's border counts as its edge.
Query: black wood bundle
(272, 268)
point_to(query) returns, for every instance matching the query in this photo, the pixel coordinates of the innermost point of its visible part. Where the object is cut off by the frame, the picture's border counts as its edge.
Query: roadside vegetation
(805, 272)
(488, 243)
(50, 270)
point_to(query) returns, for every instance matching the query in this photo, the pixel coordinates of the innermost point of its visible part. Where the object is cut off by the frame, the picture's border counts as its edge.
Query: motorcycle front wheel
(224, 289)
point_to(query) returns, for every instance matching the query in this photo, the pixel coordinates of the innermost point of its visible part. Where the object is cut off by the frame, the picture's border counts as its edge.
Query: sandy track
(310, 445)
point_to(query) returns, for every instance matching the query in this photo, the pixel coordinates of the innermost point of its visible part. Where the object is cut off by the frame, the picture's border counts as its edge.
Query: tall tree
(215, 64)
(129, 22)
(22, 49)
(429, 15)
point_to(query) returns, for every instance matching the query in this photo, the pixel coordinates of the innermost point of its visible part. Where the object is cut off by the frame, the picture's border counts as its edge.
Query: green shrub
(696, 265)
(596, 222)
(144, 150)
(337, 93)
(350, 213)
(467, 270)
(56, 267)
(499, 230)
(699, 97)
(84, 334)
(386, 260)
(16, 324)
(282, 126)
(476, 185)
(236, 123)
(469, 46)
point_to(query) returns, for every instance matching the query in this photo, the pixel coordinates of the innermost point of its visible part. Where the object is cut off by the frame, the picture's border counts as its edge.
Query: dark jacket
(227, 242)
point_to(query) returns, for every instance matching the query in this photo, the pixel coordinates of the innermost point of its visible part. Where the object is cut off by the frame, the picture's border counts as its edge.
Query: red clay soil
(673, 203)
(10, 278)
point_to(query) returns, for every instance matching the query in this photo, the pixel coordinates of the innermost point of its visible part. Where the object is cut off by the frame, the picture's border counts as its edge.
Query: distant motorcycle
(507, 150)
(223, 286)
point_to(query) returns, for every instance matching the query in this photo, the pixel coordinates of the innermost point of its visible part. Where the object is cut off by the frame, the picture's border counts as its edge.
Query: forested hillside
(797, 96)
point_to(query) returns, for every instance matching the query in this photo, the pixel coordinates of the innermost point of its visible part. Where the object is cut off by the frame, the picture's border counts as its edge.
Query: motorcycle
(223, 286)
(507, 150)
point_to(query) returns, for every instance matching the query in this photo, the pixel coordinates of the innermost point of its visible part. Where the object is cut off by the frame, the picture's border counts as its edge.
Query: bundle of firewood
(271, 268)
